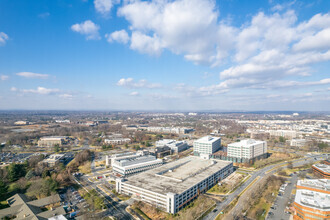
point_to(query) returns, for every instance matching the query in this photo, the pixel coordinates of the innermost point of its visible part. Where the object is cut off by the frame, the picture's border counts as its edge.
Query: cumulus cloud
(270, 47)
(87, 28)
(13, 89)
(118, 36)
(32, 75)
(3, 38)
(4, 77)
(104, 6)
(130, 83)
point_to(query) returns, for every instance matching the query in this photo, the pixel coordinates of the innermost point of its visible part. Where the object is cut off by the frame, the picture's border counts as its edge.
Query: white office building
(176, 146)
(109, 159)
(247, 149)
(117, 141)
(135, 165)
(174, 185)
(207, 145)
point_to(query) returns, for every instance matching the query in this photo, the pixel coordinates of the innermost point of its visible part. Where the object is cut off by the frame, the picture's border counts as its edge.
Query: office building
(51, 141)
(247, 149)
(207, 145)
(322, 170)
(135, 165)
(109, 160)
(174, 185)
(170, 130)
(117, 141)
(312, 200)
(176, 146)
(298, 142)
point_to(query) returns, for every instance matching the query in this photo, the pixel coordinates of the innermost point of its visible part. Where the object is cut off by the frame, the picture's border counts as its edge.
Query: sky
(179, 55)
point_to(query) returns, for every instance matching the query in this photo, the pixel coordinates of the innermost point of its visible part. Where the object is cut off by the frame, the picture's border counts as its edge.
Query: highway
(262, 172)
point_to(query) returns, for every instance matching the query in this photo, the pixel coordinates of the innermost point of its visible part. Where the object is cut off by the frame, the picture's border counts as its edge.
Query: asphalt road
(220, 206)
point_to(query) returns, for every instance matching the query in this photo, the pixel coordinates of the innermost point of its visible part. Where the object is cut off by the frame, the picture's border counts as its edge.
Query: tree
(57, 148)
(282, 139)
(3, 189)
(15, 171)
(30, 174)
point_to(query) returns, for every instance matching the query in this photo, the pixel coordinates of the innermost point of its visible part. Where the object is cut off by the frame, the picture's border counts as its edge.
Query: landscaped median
(230, 184)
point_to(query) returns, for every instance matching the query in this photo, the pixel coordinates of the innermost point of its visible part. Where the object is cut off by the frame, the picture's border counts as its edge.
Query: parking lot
(279, 210)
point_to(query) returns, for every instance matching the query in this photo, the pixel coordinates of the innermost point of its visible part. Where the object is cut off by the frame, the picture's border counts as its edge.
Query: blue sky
(187, 55)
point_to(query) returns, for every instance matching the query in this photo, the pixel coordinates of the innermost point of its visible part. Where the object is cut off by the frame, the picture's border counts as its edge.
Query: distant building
(175, 185)
(247, 149)
(21, 123)
(55, 159)
(295, 114)
(176, 146)
(117, 141)
(51, 141)
(283, 133)
(207, 145)
(322, 170)
(298, 142)
(170, 130)
(23, 208)
(192, 113)
(63, 121)
(312, 200)
(128, 166)
(163, 151)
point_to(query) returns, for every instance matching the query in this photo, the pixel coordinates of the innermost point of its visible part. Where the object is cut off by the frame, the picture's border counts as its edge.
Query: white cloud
(13, 89)
(270, 47)
(130, 83)
(41, 91)
(146, 44)
(319, 41)
(66, 96)
(135, 93)
(87, 28)
(44, 15)
(3, 38)
(119, 36)
(184, 27)
(32, 75)
(4, 77)
(104, 6)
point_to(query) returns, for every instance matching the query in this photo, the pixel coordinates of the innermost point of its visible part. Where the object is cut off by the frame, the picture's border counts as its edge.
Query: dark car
(215, 210)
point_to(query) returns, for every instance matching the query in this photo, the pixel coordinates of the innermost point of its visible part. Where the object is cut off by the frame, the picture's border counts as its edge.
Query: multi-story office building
(170, 130)
(322, 170)
(51, 141)
(135, 165)
(298, 142)
(312, 200)
(109, 160)
(207, 145)
(284, 133)
(174, 185)
(176, 146)
(117, 141)
(247, 149)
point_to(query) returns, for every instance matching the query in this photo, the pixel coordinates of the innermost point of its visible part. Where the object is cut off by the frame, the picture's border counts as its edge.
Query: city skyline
(184, 55)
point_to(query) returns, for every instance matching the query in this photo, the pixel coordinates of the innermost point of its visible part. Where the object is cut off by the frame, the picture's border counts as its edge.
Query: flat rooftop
(208, 139)
(323, 184)
(177, 176)
(323, 167)
(312, 199)
(246, 143)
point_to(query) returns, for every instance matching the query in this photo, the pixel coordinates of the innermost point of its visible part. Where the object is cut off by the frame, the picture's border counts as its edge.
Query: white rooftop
(323, 184)
(323, 167)
(312, 199)
(208, 139)
(246, 143)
